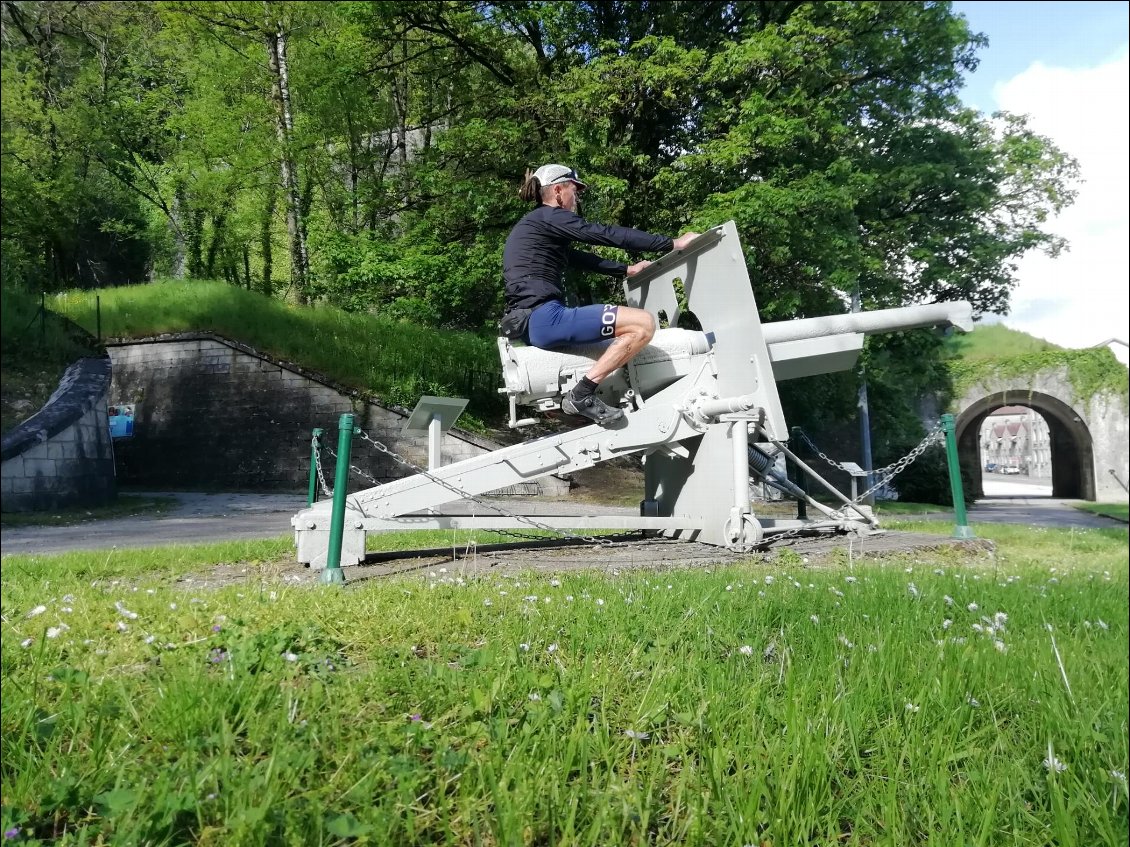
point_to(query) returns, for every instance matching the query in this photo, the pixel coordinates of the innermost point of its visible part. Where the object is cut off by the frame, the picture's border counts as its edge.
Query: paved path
(197, 518)
(200, 518)
(1035, 511)
(1009, 486)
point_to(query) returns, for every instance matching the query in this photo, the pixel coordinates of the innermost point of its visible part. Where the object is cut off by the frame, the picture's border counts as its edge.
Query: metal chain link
(767, 541)
(832, 461)
(365, 475)
(529, 536)
(316, 444)
(464, 495)
(935, 435)
(818, 452)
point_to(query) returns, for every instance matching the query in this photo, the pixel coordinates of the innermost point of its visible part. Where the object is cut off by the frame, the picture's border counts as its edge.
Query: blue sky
(1068, 35)
(1064, 64)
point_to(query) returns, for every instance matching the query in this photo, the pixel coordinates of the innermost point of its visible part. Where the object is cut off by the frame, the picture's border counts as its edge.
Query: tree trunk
(218, 222)
(176, 223)
(354, 172)
(284, 126)
(266, 226)
(400, 94)
(194, 241)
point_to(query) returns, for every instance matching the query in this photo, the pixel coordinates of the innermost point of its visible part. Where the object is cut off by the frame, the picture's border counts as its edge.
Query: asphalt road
(200, 518)
(996, 485)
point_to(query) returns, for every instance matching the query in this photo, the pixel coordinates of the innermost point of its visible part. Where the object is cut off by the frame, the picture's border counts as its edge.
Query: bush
(927, 480)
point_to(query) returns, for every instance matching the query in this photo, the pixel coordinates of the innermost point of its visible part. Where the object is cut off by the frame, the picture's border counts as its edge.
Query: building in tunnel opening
(1016, 440)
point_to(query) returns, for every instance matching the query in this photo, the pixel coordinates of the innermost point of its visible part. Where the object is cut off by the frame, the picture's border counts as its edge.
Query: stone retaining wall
(214, 413)
(62, 456)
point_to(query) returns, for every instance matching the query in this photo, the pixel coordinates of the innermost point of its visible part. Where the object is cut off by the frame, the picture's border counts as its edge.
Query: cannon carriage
(701, 409)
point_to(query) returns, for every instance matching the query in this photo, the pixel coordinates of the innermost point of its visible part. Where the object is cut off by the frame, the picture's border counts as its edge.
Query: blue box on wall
(121, 421)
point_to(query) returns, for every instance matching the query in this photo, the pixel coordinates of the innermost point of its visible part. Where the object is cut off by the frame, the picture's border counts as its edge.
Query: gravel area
(621, 555)
(213, 517)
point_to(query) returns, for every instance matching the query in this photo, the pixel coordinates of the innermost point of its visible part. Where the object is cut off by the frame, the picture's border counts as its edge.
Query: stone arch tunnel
(1090, 456)
(1072, 448)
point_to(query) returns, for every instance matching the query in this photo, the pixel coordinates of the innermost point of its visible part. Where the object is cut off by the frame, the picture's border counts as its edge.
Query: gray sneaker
(591, 407)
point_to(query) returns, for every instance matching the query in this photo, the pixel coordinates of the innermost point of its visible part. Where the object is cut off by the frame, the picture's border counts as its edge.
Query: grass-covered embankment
(395, 361)
(928, 699)
(36, 347)
(1118, 511)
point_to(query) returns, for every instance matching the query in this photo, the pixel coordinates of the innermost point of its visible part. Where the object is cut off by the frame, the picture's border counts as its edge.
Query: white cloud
(1079, 299)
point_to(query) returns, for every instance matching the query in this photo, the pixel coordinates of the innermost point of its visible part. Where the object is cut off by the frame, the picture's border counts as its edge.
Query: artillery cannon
(698, 406)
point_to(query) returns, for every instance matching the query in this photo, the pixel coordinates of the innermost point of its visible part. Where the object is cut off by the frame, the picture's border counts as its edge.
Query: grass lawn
(940, 698)
(1119, 511)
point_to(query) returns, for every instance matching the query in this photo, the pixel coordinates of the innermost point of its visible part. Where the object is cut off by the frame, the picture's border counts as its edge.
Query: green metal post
(961, 527)
(315, 444)
(801, 479)
(332, 573)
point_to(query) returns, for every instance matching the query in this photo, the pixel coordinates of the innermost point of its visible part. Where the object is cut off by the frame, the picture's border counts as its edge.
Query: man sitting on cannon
(537, 253)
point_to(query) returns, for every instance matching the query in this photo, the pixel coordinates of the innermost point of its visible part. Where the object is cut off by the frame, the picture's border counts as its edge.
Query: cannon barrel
(796, 348)
(958, 313)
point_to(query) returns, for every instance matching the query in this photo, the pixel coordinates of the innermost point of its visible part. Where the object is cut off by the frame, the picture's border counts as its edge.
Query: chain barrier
(935, 435)
(529, 536)
(606, 541)
(832, 461)
(876, 472)
(316, 443)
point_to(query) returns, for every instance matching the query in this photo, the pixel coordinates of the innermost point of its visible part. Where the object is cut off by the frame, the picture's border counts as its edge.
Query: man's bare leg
(634, 329)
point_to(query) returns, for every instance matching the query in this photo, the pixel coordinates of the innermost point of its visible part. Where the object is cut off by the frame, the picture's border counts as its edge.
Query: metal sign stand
(435, 416)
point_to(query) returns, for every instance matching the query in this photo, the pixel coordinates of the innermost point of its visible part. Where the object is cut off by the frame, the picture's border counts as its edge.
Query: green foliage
(379, 172)
(68, 217)
(416, 282)
(1090, 371)
(830, 132)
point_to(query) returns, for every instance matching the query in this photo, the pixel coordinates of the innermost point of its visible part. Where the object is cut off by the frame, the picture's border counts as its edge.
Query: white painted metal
(435, 416)
(693, 401)
(435, 437)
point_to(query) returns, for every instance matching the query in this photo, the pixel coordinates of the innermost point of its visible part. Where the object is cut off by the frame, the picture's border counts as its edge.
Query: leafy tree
(66, 219)
(379, 146)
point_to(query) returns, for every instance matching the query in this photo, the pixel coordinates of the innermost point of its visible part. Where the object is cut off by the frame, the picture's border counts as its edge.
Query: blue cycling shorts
(554, 324)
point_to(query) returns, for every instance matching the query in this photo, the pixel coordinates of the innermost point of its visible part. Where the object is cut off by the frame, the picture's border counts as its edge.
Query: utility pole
(864, 413)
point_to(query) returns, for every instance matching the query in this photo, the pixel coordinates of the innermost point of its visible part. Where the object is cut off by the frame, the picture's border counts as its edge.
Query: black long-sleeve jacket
(539, 249)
